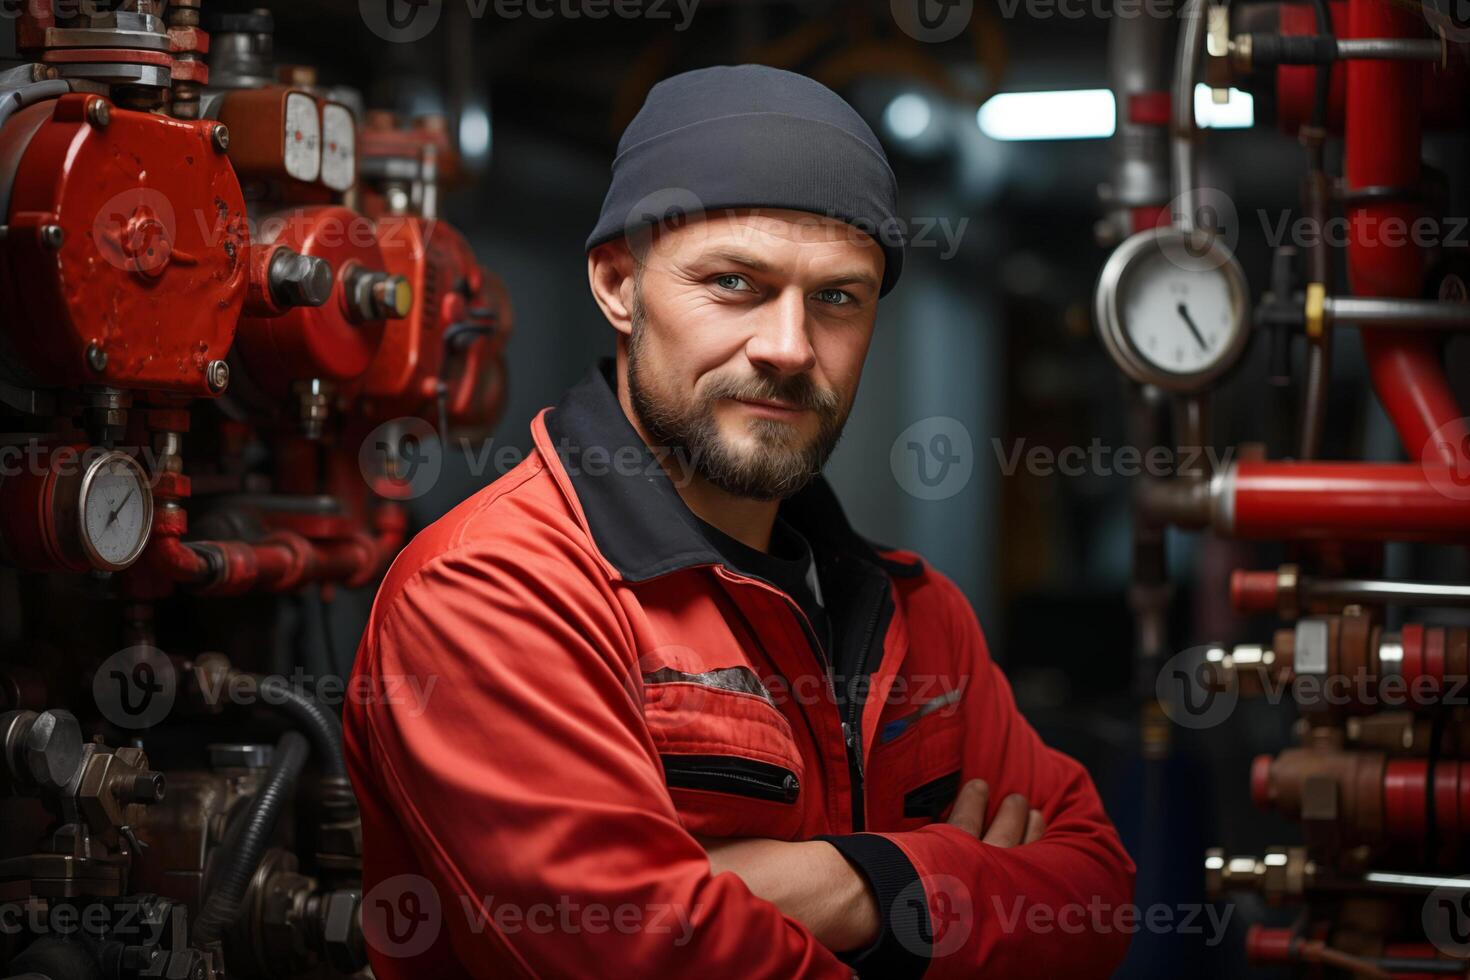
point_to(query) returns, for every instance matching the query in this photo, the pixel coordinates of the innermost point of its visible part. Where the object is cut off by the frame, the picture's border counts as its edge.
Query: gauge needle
(113, 516)
(1189, 322)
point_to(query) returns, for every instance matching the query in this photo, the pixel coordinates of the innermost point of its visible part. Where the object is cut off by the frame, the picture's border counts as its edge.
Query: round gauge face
(339, 151)
(303, 137)
(1173, 312)
(115, 511)
(1179, 321)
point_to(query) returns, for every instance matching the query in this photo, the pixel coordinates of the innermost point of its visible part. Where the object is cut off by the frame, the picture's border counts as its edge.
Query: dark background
(997, 335)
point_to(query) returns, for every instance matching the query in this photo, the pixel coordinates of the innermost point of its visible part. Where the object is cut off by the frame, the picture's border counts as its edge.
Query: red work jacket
(561, 682)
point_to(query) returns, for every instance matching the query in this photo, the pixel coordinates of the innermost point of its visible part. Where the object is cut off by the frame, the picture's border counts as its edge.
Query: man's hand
(815, 885)
(1013, 824)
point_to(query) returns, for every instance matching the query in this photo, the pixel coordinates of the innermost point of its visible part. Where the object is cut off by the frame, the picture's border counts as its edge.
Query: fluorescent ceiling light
(908, 116)
(1079, 114)
(1238, 113)
(474, 131)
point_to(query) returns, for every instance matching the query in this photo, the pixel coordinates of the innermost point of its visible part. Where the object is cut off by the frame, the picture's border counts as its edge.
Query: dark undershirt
(789, 566)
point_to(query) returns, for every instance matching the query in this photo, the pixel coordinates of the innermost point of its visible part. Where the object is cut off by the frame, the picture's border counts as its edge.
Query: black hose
(320, 724)
(244, 850)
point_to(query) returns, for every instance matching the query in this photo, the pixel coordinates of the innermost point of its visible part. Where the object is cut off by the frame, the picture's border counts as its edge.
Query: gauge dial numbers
(1171, 312)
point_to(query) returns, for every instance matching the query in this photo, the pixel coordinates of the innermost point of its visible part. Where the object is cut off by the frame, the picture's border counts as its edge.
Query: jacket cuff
(904, 945)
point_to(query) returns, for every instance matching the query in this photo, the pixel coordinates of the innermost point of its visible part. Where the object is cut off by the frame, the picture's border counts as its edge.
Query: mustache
(799, 390)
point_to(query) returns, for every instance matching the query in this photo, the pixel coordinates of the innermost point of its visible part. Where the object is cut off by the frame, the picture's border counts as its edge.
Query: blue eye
(834, 297)
(732, 282)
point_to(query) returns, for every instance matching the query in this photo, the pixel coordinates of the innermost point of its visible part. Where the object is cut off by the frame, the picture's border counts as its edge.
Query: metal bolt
(99, 113)
(53, 749)
(96, 357)
(52, 236)
(299, 280)
(219, 136)
(392, 297)
(217, 376)
(145, 787)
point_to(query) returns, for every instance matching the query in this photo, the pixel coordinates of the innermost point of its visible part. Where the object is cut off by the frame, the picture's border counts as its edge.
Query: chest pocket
(730, 762)
(915, 770)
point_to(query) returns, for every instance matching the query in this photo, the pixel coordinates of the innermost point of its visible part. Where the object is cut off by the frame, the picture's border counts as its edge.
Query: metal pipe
(1138, 175)
(1254, 591)
(1184, 131)
(1366, 311)
(1390, 48)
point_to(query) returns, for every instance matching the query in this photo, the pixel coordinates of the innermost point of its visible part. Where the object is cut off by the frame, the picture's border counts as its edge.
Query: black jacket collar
(637, 518)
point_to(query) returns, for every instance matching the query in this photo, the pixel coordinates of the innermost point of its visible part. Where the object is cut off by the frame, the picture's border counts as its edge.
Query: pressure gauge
(114, 510)
(1172, 308)
(303, 146)
(339, 146)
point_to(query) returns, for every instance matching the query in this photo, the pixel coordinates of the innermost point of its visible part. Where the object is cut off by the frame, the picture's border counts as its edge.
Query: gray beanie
(748, 136)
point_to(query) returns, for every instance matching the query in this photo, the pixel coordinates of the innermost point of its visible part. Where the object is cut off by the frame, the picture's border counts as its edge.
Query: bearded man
(686, 721)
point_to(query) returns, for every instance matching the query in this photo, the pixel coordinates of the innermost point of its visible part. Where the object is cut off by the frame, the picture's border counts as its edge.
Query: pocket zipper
(732, 774)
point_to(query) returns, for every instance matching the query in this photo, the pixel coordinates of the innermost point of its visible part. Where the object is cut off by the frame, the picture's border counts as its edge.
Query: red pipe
(1384, 136)
(283, 561)
(1356, 501)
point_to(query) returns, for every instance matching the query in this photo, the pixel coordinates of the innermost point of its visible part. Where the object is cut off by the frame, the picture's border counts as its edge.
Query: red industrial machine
(218, 277)
(1374, 666)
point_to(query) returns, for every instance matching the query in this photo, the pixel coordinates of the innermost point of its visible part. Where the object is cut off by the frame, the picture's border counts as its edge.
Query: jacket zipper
(731, 774)
(852, 743)
(852, 729)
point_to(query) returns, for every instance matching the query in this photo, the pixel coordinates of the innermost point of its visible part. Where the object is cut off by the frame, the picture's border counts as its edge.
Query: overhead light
(1238, 113)
(474, 131)
(908, 116)
(1092, 114)
(1078, 114)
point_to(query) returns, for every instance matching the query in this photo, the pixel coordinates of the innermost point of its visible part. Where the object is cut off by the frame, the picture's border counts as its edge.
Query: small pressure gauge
(339, 146)
(1172, 308)
(114, 510)
(303, 137)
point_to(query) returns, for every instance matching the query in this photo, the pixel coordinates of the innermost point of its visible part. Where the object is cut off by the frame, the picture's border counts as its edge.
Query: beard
(782, 460)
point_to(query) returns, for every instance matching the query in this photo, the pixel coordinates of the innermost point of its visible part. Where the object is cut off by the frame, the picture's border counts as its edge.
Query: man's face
(748, 337)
